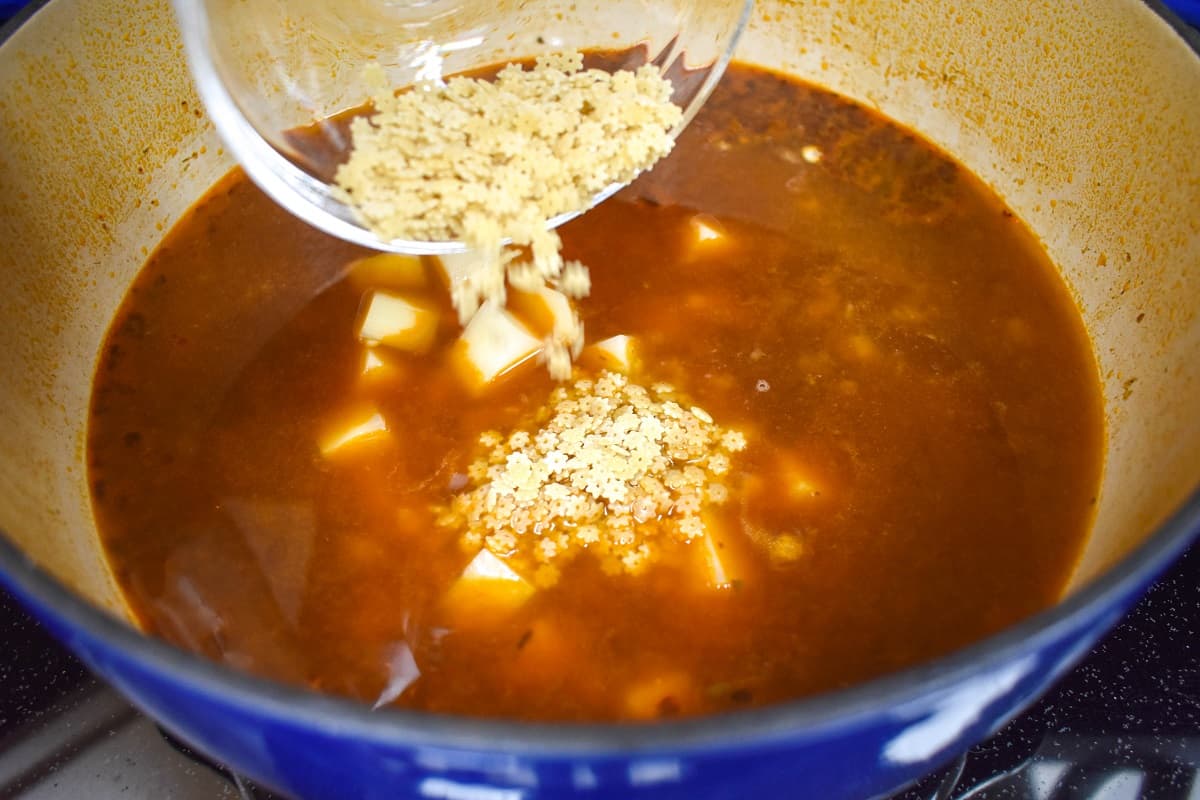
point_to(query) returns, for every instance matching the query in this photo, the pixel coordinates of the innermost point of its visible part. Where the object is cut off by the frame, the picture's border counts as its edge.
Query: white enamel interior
(1085, 116)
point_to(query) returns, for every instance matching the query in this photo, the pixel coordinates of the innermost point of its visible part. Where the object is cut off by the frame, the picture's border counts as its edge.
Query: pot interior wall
(102, 145)
(1082, 115)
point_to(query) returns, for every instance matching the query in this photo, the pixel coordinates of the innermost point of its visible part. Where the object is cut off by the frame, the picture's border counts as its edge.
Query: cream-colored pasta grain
(483, 161)
(613, 468)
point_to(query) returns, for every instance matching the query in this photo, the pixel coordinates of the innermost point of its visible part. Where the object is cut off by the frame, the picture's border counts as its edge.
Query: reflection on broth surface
(915, 389)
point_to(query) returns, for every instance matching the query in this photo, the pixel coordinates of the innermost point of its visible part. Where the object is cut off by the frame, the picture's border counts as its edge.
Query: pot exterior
(870, 753)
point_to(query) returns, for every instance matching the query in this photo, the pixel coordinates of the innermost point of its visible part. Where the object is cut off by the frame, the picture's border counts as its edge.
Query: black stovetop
(1124, 725)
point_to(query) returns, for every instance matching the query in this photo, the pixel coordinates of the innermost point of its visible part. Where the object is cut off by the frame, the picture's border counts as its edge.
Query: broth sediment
(917, 392)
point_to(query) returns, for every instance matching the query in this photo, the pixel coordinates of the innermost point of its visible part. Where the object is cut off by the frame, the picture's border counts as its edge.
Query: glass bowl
(267, 67)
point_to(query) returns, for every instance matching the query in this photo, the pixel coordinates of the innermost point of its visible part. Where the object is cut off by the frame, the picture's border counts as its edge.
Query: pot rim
(334, 716)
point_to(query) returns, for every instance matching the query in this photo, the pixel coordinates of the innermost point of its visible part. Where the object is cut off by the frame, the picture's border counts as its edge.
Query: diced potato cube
(372, 362)
(457, 267)
(396, 321)
(722, 560)
(705, 229)
(485, 592)
(545, 311)
(493, 344)
(666, 694)
(485, 566)
(388, 271)
(720, 570)
(354, 428)
(614, 353)
(799, 484)
(706, 236)
(378, 366)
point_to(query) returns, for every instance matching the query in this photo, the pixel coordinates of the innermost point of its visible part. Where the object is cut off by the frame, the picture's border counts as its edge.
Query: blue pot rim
(727, 732)
(746, 729)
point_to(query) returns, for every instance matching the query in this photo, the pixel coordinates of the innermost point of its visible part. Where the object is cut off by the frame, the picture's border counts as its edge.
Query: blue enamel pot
(1088, 124)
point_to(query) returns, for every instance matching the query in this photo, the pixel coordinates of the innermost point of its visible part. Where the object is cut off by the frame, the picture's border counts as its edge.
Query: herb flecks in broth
(611, 468)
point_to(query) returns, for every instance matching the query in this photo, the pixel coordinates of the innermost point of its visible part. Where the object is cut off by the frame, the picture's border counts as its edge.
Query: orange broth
(916, 387)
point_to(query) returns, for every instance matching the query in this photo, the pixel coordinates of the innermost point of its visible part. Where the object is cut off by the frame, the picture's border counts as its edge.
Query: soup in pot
(836, 414)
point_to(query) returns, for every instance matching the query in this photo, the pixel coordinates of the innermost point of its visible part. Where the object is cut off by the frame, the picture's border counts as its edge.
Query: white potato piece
(722, 558)
(372, 363)
(378, 367)
(397, 321)
(546, 311)
(486, 591)
(355, 427)
(615, 353)
(492, 345)
(457, 267)
(706, 237)
(485, 566)
(388, 271)
(800, 484)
